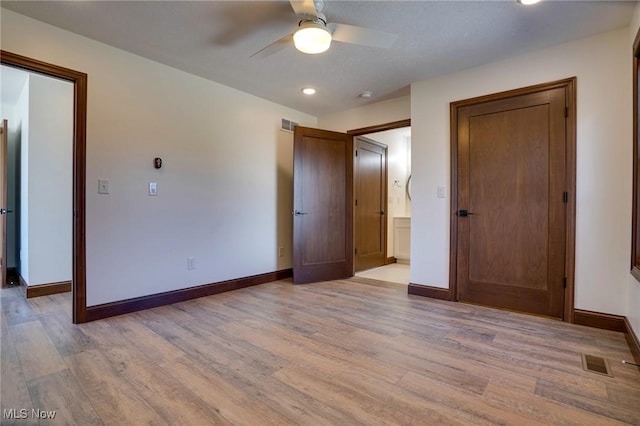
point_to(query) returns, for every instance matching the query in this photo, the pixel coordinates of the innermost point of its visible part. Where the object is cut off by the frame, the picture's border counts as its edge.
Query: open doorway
(393, 141)
(38, 110)
(79, 81)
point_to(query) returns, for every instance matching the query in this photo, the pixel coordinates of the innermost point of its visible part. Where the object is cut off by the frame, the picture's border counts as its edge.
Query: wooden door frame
(570, 85)
(362, 131)
(79, 81)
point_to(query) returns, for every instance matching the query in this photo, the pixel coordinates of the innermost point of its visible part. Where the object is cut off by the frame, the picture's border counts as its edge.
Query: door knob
(463, 213)
(297, 213)
(5, 211)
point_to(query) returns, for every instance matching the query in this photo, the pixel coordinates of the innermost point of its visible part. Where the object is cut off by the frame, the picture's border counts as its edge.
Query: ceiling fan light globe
(312, 38)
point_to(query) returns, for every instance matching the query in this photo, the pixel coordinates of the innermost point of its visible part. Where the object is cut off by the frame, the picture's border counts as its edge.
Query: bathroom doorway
(394, 215)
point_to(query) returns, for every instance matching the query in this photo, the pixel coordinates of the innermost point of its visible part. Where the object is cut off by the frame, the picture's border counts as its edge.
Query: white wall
(48, 186)
(22, 118)
(369, 115)
(602, 66)
(218, 190)
(633, 288)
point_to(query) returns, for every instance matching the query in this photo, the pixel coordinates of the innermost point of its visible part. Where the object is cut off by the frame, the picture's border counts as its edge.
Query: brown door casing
(79, 80)
(513, 217)
(323, 205)
(370, 204)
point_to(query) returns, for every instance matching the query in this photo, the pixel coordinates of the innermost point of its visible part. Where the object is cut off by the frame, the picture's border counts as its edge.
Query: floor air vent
(596, 364)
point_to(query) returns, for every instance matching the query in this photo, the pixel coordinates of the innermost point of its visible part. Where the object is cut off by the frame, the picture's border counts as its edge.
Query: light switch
(153, 188)
(103, 186)
(441, 191)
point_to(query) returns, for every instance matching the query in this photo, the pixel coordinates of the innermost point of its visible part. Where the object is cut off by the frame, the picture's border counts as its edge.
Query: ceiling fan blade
(304, 8)
(360, 35)
(274, 47)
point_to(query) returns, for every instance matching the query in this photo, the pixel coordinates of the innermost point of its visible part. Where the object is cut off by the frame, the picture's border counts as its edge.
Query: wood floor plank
(624, 395)
(570, 377)
(38, 356)
(145, 340)
(385, 349)
(463, 404)
(600, 406)
(173, 401)
(332, 350)
(338, 352)
(15, 308)
(286, 349)
(14, 393)
(291, 403)
(489, 372)
(114, 399)
(70, 407)
(67, 337)
(222, 395)
(357, 406)
(545, 410)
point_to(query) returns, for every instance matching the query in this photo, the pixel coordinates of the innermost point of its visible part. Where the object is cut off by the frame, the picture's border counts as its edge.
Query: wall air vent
(288, 125)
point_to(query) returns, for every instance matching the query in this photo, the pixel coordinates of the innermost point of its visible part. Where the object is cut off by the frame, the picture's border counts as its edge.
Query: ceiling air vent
(288, 125)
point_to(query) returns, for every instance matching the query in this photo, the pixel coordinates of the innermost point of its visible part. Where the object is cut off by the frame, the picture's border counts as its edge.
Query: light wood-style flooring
(334, 353)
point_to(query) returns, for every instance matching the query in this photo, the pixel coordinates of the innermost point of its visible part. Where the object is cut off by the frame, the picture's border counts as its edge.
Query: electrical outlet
(441, 191)
(281, 252)
(191, 263)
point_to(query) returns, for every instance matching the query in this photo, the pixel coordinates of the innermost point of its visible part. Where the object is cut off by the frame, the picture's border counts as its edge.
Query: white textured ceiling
(215, 39)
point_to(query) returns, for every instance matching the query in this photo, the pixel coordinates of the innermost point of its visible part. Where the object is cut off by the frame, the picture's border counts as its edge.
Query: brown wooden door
(370, 204)
(323, 205)
(511, 178)
(3, 203)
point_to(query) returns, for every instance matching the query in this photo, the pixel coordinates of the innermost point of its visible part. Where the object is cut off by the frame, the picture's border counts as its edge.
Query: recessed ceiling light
(528, 2)
(366, 95)
(308, 90)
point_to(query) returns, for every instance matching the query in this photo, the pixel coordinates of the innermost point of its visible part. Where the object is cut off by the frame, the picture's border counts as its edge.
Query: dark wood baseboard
(633, 341)
(429, 291)
(23, 284)
(47, 289)
(390, 260)
(610, 322)
(152, 301)
(599, 320)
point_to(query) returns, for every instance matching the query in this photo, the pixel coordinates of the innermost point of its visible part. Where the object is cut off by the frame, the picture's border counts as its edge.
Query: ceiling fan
(314, 34)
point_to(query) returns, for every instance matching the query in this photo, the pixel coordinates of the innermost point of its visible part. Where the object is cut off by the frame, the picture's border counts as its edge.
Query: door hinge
(356, 201)
(566, 112)
(564, 282)
(356, 251)
(356, 152)
(565, 197)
